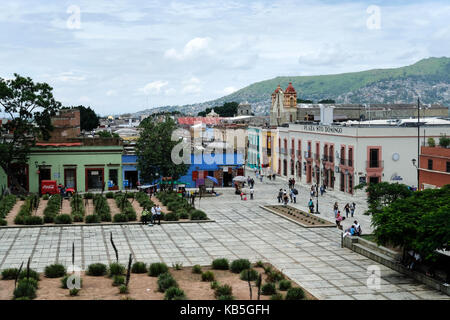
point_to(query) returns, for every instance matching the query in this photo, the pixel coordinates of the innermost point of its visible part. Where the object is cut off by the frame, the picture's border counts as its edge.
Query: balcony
(308, 154)
(283, 151)
(374, 164)
(346, 162)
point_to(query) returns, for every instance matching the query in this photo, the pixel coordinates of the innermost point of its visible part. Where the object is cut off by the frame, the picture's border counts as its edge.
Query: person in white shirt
(158, 214)
(251, 193)
(153, 214)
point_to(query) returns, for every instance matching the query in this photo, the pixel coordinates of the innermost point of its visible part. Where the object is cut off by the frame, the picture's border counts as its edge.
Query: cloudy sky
(122, 56)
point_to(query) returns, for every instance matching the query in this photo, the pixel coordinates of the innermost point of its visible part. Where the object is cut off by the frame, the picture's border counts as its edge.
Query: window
(430, 164)
(374, 158)
(448, 166)
(113, 176)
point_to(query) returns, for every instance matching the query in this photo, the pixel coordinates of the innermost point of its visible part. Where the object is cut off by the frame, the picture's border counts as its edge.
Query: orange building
(434, 167)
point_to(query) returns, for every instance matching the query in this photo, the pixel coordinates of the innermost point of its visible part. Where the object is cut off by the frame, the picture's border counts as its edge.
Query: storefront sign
(326, 129)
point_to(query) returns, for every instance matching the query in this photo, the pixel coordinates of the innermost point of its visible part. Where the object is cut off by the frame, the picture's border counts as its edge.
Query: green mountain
(430, 78)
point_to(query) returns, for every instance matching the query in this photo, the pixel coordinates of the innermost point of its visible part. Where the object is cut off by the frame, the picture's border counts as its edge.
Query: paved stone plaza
(311, 257)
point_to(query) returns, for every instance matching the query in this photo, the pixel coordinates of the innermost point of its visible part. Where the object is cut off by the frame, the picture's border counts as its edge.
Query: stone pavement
(311, 257)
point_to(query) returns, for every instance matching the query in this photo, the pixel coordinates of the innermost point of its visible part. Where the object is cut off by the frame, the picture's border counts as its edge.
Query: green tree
(431, 142)
(327, 101)
(30, 107)
(383, 194)
(89, 120)
(444, 142)
(107, 134)
(304, 101)
(154, 151)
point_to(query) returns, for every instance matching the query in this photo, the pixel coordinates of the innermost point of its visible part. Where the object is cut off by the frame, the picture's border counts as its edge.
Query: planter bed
(300, 217)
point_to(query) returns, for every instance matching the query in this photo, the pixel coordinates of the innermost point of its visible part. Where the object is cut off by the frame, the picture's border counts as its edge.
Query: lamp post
(417, 167)
(418, 142)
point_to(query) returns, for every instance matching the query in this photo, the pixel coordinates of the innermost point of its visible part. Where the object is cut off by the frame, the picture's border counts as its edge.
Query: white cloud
(154, 87)
(229, 90)
(111, 93)
(193, 85)
(84, 99)
(192, 48)
(170, 92)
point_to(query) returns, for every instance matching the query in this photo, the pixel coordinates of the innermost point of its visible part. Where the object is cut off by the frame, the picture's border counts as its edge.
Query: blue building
(224, 169)
(130, 173)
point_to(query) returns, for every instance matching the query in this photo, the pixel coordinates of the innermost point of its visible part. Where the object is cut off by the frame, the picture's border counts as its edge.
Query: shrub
(55, 271)
(88, 195)
(284, 285)
(93, 218)
(238, 265)
(220, 264)
(130, 195)
(139, 267)
(105, 217)
(74, 292)
(63, 219)
(171, 216)
(444, 142)
(267, 269)
(116, 269)
(259, 264)
(226, 297)
(64, 281)
(224, 290)
(249, 275)
(174, 293)
(183, 214)
(120, 217)
(78, 217)
(197, 269)
(26, 288)
(177, 266)
(208, 276)
(274, 276)
(268, 289)
(109, 195)
(97, 269)
(165, 281)
(431, 142)
(157, 268)
(33, 275)
(123, 289)
(10, 274)
(3, 222)
(45, 197)
(276, 296)
(295, 294)
(32, 220)
(214, 285)
(118, 280)
(198, 215)
(49, 217)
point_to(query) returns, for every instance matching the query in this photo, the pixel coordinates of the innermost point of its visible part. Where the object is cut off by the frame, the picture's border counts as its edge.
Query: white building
(342, 156)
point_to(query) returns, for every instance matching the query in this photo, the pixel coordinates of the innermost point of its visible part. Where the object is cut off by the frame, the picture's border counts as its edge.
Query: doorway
(227, 179)
(44, 174)
(70, 178)
(94, 179)
(132, 177)
(374, 180)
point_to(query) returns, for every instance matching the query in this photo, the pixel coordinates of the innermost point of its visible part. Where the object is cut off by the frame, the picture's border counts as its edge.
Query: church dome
(290, 88)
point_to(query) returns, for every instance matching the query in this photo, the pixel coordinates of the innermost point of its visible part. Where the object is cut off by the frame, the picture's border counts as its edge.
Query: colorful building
(434, 167)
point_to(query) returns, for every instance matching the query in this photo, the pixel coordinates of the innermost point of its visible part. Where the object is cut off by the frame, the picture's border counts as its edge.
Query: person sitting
(357, 228)
(350, 231)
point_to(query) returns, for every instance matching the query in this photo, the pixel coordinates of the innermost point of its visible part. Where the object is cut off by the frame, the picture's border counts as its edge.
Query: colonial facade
(284, 106)
(434, 167)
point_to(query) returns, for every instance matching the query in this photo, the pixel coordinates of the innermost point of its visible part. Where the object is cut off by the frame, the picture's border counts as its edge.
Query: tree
(327, 101)
(420, 222)
(89, 120)
(154, 151)
(431, 142)
(229, 109)
(30, 107)
(383, 194)
(444, 142)
(304, 101)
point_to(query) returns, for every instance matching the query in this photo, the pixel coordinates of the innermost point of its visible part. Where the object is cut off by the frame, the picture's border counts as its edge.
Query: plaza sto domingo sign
(329, 129)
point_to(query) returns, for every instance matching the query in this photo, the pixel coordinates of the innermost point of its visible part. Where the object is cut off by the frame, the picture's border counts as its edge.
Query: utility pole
(418, 142)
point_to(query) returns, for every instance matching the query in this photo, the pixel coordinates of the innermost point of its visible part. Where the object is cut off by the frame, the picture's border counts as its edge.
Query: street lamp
(417, 167)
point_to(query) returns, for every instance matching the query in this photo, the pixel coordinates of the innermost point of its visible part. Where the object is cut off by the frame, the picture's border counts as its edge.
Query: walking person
(261, 177)
(293, 183)
(285, 198)
(158, 214)
(347, 210)
(251, 193)
(290, 195)
(280, 195)
(293, 195)
(322, 190)
(273, 177)
(153, 212)
(339, 218)
(352, 209)
(335, 209)
(311, 206)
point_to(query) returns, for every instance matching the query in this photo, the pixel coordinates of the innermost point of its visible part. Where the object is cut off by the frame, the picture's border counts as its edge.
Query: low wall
(391, 259)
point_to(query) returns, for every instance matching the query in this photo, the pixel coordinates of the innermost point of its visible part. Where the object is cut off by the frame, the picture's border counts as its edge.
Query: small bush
(45, 197)
(268, 289)
(274, 276)
(55, 271)
(295, 294)
(97, 269)
(224, 290)
(177, 266)
(139, 267)
(26, 288)
(214, 285)
(267, 269)
(93, 218)
(171, 216)
(120, 217)
(198, 215)
(249, 275)
(226, 297)
(259, 264)
(157, 268)
(109, 195)
(63, 219)
(208, 276)
(33, 274)
(284, 285)
(64, 281)
(118, 280)
(197, 269)
(123, 289)
(88, 195)
(10, 274)
(105, 217)
(33, 220)
(165, 281)
(238, 265)
(183, 214)
(276, 296)
(3, 222)
(78, 217)
(116, 269)
(74, 292)
(220, 264)
(49, 217)
(174, 293)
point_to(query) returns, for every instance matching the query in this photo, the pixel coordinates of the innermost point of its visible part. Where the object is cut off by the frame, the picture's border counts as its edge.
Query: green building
(87, 165)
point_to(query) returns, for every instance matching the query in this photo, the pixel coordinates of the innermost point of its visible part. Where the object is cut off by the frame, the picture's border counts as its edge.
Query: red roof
(290, 88)
(58, 144)
(277, 89)
(194, 120)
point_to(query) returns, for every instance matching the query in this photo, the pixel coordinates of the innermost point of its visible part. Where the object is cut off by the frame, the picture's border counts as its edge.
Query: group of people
(152, 216)
(250, 182)
(314, 190)
(354, 230)
(284, 198)
(349, 209)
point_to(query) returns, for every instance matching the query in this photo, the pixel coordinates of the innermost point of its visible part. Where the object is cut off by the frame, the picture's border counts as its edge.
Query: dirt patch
(113, 206)
(163, 208)
(305, 219)
(66, 208)
(143, 287)
(13, 213)
(137, 207)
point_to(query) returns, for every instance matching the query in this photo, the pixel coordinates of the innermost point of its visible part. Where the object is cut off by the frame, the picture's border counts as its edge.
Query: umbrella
(212, 179)
(240, 178)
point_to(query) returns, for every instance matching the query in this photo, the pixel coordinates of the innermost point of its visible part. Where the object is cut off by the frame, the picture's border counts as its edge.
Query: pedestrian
(311, 206)
(290, 195)
(145, 215)
(251, 193)
(322, 190)
(352, 209)
(242, 194)
(252, 182)
(261, 177)
(347, 210)
(153, 212)
(293, 183)
(285, 198)
(158, 214)
(273, 176)
(294, 195)
(335, 209)
(280, 195)
(290, 182)
(357, 227)
(248, 181)
(312, 191)
(270, 177)
(339, 218)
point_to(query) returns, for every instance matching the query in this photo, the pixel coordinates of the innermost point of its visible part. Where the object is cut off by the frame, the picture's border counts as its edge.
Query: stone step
(375, 255)
(382, 250)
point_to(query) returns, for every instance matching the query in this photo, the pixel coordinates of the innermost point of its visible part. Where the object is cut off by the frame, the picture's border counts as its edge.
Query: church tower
(284, 106)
